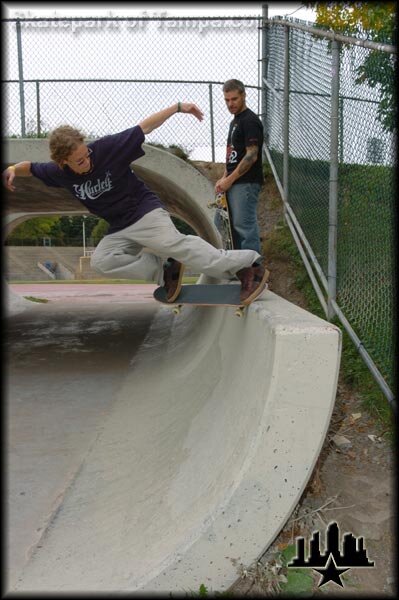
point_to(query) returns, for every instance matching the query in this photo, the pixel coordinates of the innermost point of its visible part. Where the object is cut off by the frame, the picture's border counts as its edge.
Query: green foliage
(71, 228)
(61, 230)
(353, 369)
(34, 299)
(203, 591)
(99, 230)
(299, 581)
(375, 21)
(356, 375)
(378, 69)
(288, 554)
(33, 229)
(365, 244)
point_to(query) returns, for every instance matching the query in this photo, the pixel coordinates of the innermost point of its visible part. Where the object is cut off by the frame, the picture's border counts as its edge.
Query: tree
(375, 21)
(32, 231)
(69, 229)
(99, 231)
(372, 20)
(63, 231)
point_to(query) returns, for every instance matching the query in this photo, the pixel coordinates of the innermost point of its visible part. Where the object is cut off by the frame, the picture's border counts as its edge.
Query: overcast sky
(82, 9)
(44, 58)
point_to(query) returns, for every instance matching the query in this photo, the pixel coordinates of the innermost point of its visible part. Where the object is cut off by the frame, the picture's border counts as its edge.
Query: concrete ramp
(207, 448)
(170, 471)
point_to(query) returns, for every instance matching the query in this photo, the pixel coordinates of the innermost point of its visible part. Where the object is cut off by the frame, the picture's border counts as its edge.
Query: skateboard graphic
(223, 220)
(205, 295)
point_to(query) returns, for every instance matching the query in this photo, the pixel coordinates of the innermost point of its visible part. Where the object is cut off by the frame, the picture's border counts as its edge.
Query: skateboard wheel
(177, 310)
(240, 312)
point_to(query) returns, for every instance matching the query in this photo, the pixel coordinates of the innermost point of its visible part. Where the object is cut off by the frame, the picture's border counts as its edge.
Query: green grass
(34, 299)
(354, 371)
(365, 260)
(365, 244)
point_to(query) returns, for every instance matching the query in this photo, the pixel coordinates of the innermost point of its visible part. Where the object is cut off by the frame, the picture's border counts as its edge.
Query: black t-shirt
(245, 130)
(110, 190)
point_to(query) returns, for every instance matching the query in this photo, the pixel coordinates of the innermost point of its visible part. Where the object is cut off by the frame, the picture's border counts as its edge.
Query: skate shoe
(172, 275)
(253, 282)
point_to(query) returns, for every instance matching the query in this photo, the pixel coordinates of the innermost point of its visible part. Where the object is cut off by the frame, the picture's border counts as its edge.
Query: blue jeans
(242, 199)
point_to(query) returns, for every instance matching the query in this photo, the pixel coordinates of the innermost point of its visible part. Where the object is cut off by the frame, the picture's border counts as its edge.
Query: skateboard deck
(204, 295)
(225, 229)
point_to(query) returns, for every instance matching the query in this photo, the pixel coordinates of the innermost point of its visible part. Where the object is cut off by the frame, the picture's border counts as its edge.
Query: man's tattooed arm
(249, 159)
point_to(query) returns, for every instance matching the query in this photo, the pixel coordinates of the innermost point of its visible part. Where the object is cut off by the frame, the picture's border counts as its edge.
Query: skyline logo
(332, 563)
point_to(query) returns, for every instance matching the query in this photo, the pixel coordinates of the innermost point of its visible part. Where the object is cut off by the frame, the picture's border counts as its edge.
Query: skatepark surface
(148, 451)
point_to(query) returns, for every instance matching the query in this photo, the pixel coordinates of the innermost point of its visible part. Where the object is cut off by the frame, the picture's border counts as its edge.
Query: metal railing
(330, 143)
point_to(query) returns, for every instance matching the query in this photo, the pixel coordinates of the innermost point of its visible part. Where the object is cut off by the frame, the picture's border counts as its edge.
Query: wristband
(179, 107)
(12, 167)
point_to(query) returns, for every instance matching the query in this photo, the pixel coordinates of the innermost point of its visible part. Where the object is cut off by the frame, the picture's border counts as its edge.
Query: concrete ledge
(204, 465)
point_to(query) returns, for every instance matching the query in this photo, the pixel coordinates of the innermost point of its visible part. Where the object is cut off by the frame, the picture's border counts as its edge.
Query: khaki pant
(139, 251)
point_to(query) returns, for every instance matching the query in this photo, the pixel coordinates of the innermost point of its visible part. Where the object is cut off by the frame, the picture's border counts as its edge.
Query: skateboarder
(142, 241)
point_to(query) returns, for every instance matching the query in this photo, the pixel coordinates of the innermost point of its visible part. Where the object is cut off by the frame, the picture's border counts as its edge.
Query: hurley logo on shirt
(88, 191)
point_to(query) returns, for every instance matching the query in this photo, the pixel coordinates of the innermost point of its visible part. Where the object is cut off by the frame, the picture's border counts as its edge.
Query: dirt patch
(353, 482)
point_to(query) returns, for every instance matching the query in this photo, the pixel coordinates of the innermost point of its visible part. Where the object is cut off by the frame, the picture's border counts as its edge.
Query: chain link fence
(330, 139)
(106, 74)
(328, 129)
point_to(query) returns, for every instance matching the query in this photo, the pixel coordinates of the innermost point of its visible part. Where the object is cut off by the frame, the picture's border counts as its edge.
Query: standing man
(243, 176)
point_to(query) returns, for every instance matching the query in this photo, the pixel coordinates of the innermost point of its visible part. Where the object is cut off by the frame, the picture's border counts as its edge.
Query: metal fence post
(264, 59)
(333, 184)
(212, 124)
(286, 117)
(259, 67)
(39, 131)
(21, 78)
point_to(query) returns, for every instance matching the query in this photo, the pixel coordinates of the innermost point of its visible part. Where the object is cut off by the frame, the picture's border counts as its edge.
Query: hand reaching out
(186, 107)
(8, 177)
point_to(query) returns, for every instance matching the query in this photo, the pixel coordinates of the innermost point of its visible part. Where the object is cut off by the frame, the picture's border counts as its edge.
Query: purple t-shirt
(110, 190)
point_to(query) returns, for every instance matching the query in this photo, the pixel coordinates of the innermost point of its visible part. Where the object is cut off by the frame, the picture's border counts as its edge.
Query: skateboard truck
(223, 295)
(239, 312)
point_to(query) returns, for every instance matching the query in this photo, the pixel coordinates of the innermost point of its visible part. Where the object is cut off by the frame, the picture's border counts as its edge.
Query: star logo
(331, 573)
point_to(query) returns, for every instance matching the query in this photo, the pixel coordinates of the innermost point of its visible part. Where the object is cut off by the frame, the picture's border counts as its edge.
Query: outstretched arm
(21, 169)
(157, 119)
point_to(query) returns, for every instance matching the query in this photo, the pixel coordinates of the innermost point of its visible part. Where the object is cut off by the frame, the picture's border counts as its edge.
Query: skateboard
(222, 212)
(205, 295)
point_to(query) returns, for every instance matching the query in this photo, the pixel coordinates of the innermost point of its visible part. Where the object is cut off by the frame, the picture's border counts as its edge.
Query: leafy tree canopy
(375, 21)
(34, 228)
